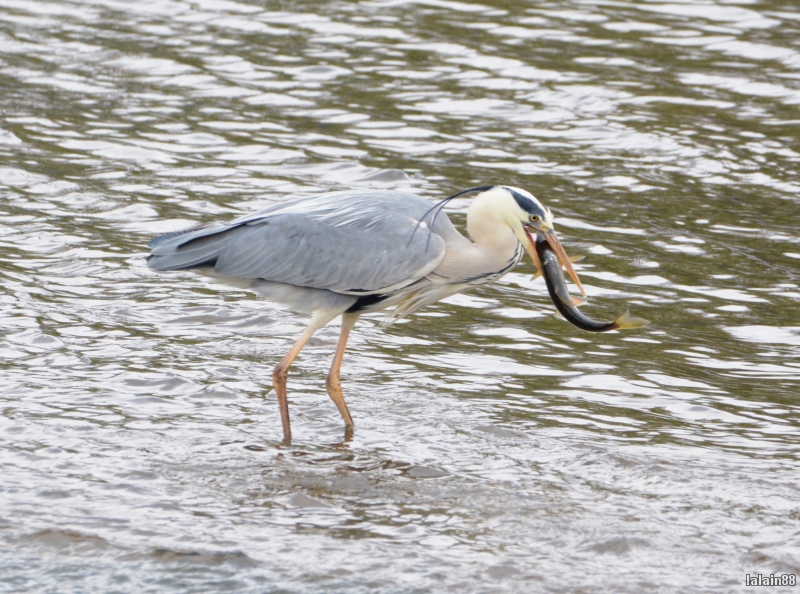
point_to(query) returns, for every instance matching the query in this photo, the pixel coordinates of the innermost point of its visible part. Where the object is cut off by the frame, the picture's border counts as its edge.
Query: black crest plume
(438, 207)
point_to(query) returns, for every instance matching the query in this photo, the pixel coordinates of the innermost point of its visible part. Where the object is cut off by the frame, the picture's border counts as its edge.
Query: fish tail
(625, 322)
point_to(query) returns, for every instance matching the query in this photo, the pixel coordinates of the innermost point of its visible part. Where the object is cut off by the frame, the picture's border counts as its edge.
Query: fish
(566, 305)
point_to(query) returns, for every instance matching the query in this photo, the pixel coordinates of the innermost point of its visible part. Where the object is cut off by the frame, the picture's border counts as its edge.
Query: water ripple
(495, 443)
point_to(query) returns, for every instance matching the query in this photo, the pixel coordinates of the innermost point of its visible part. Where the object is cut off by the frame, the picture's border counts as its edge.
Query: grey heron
(352, 252)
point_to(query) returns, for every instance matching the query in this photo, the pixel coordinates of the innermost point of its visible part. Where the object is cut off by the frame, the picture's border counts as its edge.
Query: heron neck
(494, 247)
(488, 227)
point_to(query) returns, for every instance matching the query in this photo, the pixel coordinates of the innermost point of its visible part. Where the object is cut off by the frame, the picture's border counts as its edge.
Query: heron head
(527, 216)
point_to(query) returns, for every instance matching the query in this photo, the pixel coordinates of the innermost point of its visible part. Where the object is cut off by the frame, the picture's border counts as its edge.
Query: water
(497, 448)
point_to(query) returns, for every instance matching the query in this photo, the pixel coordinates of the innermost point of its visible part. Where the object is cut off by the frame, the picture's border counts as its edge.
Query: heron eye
(534, 218)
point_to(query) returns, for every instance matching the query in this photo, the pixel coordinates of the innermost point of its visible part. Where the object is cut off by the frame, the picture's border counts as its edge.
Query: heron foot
(332, 383)
(335, 392)
(279, 376)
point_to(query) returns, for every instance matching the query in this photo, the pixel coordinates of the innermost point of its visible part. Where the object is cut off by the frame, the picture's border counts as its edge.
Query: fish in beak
(558, 249)
(559, 293)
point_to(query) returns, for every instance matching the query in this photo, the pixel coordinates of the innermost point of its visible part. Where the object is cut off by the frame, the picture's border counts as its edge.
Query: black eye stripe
(526, 203)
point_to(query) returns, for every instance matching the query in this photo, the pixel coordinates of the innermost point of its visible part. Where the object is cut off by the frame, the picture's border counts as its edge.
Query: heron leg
(281, 370)
(332, 383)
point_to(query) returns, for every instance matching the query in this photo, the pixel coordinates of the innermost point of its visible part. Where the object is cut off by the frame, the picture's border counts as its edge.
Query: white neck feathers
(491, 219)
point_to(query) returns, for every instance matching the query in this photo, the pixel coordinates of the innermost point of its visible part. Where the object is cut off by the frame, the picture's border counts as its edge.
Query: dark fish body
(559, 293)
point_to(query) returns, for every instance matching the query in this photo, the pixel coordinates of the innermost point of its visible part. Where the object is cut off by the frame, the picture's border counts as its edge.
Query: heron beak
(552, 239)
(530, 247)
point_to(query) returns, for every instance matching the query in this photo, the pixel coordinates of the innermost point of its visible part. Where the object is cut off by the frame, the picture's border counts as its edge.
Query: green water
(496, 447)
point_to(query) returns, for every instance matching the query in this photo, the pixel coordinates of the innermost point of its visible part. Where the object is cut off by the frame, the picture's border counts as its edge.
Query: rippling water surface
(497, 448)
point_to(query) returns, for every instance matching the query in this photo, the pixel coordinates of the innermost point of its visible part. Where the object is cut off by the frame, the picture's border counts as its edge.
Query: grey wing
(347, 242)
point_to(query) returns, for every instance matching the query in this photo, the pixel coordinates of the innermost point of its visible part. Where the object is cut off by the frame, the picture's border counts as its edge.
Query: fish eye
(534, 218)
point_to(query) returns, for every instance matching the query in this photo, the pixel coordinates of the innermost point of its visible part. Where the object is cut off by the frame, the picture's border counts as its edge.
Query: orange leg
(281, 370)
(332, 383)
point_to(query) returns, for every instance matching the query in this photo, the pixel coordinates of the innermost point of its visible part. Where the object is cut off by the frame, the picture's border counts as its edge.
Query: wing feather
(349, 242)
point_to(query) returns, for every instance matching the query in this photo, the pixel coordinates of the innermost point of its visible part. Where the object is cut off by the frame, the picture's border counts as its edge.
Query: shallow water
(497, 448)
